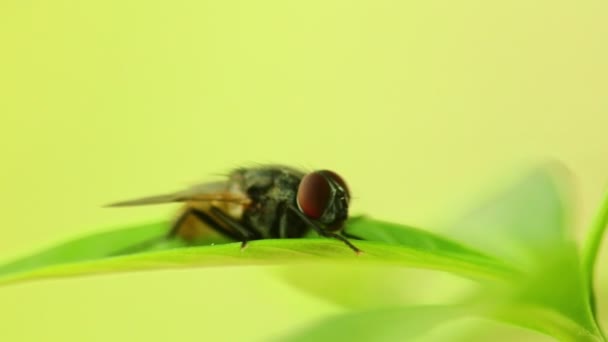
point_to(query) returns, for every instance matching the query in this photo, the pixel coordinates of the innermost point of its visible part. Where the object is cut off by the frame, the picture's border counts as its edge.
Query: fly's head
(323, 196)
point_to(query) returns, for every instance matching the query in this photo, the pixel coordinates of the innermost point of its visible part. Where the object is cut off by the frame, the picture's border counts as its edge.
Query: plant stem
(592, 246)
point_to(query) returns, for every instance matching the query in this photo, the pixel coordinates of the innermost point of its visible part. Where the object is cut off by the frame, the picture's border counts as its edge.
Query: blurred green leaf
(387, 324)
(592, 247)
(97, 254)
(528, 224)
(416, 322)
(524, 220)
(471, 328)
(547, 321)
(365, 287)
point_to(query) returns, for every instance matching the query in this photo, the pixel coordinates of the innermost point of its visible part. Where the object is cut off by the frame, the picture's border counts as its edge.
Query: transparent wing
(207, 192)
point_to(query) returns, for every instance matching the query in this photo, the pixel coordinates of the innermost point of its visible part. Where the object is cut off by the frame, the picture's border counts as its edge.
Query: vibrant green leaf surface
(97, 254)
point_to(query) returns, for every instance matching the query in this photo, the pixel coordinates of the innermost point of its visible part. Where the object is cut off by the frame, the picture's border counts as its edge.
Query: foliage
(517, 249)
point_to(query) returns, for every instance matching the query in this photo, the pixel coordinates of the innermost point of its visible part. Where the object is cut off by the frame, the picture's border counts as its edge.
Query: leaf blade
(457, 258)
(529, 225)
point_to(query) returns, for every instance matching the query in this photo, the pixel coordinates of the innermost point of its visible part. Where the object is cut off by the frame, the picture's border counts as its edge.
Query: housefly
(263, 202)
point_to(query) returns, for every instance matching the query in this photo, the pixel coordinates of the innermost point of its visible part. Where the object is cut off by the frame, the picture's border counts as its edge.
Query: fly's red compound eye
(314, 195)
(336, 178)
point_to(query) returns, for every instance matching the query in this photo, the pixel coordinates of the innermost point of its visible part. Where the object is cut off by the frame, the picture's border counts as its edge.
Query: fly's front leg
(215, 224)
(322, 231)
(177, 224)
(218, 221)
(177, 229)
(245, 232)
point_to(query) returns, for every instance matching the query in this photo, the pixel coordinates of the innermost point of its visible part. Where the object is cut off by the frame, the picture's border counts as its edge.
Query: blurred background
(423, 106)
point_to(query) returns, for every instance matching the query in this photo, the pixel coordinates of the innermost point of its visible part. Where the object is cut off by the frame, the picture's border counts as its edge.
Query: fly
(264, 202)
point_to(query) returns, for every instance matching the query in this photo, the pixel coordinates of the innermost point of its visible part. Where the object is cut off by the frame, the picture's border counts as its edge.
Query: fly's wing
(225, 196)
(207, 192)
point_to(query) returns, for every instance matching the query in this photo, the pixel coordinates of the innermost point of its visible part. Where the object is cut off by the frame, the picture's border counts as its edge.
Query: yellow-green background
(419, 104)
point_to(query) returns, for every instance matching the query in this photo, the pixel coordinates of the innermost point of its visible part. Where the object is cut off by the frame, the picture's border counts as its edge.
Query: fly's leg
(177, 224)
(202, 216)
(214, 224)
(322, 231)
(280, 225)
(246, 233)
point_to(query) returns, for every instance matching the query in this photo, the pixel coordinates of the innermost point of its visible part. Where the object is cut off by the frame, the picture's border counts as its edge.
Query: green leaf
(547, 321)
(529, 225)
(97, 254)
(524, 220)
(99, 246)
(592, 246)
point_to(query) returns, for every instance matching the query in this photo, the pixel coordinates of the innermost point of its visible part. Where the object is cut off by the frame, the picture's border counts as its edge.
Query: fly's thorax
(272, 191)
